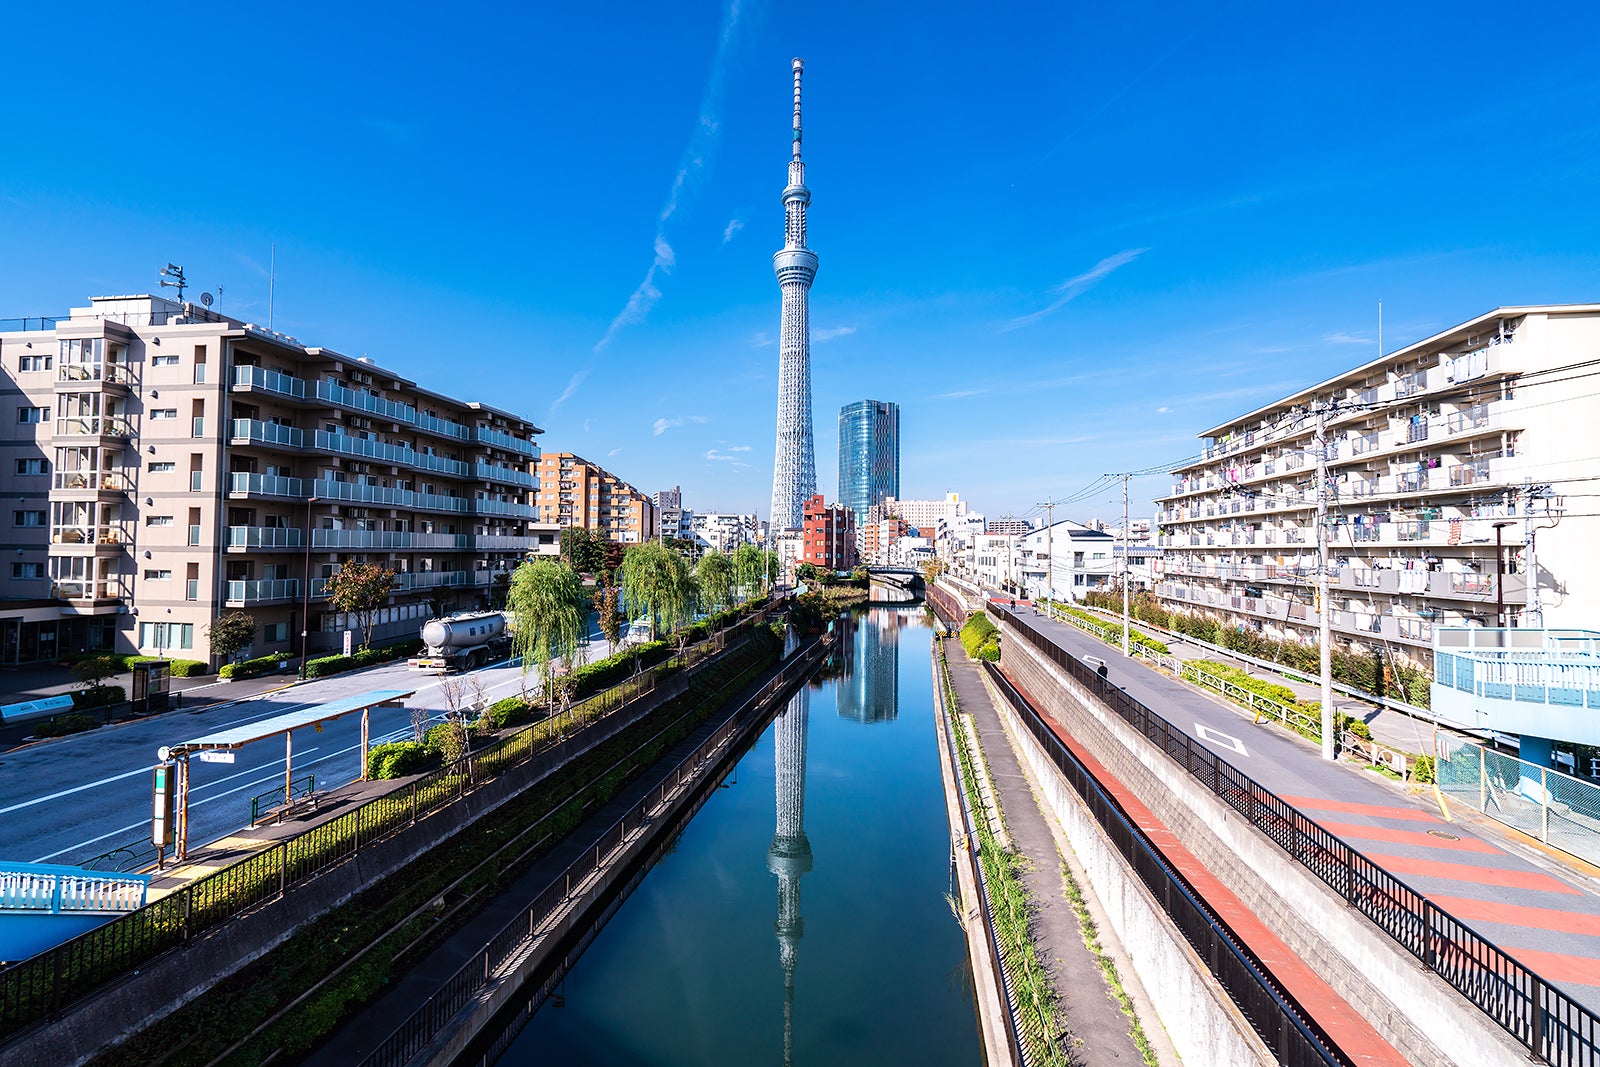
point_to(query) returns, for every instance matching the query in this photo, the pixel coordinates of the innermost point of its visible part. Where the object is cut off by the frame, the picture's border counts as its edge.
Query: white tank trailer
(464, 641)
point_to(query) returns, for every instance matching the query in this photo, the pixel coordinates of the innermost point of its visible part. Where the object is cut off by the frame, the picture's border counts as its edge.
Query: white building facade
(1456, 471)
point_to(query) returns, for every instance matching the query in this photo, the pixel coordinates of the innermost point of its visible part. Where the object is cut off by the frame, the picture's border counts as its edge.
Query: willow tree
(656, 582)
(747, 569)
(548, 612)
(715, 572)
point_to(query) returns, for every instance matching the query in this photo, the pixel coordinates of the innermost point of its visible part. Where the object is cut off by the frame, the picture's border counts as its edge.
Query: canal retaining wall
(1423, 1018)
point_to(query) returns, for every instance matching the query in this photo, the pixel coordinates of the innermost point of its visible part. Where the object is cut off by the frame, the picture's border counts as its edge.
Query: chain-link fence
(1558, 809)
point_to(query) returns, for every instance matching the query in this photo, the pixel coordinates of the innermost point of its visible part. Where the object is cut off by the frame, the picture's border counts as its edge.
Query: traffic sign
(216, 756)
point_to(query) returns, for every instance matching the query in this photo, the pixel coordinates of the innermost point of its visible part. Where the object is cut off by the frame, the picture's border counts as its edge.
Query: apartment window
(157, 575)
(27, 518)
(33, 466)
(163, 467)
(164, 413)
(158, 520)
(164, 361)
(27, 570)
(166, 635)
(33, 415)
(31, 363)
(275, 631)
(199, 364)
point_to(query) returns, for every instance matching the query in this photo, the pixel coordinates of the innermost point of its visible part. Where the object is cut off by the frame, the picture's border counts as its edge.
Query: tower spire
(794, 473)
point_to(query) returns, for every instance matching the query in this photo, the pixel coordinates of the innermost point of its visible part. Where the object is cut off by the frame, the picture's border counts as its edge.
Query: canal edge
(993, 1012)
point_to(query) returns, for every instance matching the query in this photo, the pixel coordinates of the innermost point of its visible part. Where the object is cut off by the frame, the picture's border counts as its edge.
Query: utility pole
(1324, 630)
(1125, 565)
(1534, 612)
(1049, 555)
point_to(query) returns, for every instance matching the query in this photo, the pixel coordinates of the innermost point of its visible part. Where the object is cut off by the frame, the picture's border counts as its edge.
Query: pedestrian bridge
(43, 904)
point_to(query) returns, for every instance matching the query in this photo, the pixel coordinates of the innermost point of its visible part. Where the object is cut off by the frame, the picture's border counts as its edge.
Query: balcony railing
(93, 426)
(263, 537)
(88, 589)
(270, 381)
(1364, 443)
(1411, 482)
(116, 373)
(267, 485)
(250, 431)
(500, 439)
(1416, 431)
(1473, 473)
(1467, 419)
(87, 535)
(389, 539)
(379, 494)
(262, 591)
(495, 473)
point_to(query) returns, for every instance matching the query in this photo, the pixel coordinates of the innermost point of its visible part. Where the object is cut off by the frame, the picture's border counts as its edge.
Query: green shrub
(62, 725)
(397, 760)
(178, 668)
(1358, 727)
(981, 638)
(1422, 770)
(326, 665)
(250, 668)
(508, 712)
(99, 697)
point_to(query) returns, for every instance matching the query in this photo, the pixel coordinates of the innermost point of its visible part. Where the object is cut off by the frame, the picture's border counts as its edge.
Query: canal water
(802, 916)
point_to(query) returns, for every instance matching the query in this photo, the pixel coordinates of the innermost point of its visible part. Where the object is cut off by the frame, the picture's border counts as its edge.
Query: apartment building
(925, 514)
(1456, 471)
(726, 532)
(829, 535)
(877, 539)
(576, 492)
(168, 463)
(1065, 560)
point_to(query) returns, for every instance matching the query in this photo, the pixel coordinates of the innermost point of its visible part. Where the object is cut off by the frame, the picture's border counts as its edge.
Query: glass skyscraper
(869, 454)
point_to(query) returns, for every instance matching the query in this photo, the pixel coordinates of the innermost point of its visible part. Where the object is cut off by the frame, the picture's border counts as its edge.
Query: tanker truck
(463, 641)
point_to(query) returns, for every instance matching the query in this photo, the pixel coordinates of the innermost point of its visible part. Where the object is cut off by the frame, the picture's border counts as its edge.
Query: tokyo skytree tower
(794, 474)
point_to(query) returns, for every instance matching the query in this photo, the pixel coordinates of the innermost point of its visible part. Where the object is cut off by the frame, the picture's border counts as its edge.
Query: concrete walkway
(1098, 1030)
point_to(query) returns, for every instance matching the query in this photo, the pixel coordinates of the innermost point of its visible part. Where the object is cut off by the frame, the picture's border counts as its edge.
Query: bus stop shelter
(284, 725)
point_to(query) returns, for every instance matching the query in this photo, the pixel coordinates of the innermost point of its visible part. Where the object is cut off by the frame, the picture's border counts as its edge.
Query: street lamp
(305, 602)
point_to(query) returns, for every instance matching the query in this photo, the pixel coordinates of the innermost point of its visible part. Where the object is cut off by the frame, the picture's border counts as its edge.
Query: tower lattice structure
(794, 474)
(789, 856)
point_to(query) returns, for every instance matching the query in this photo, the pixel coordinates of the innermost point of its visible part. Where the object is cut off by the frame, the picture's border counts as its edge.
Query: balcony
(77, 540)
(379, 494)
(351, 445)
(88, 590)
(1476, 472)
(500, 439)
(77, 375)
(93, 426)
(252, 432)
(262, 538)
(1467, 420)
(504, 543)
(409, 581)
(247, 379)
(495, 473)
(91, 481)
(267, 485)
(504, 508)
(264, 591)
(389, 539)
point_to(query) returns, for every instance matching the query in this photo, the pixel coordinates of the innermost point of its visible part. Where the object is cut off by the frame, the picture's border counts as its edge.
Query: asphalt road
(74, 798)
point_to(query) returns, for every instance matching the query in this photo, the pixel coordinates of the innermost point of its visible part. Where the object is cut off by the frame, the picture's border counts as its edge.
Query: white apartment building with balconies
(170, 463)
(1480, 436)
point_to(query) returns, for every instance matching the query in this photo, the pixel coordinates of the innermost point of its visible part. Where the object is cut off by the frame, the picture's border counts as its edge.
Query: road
(74, 798)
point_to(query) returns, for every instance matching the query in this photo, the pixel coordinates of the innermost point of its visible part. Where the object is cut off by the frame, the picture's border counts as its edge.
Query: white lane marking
(75, 789)
(1217, 737)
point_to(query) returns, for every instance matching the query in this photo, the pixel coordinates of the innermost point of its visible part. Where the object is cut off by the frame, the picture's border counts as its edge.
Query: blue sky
(1064, 237)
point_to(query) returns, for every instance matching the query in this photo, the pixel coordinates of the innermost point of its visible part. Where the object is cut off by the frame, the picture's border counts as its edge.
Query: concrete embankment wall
(165, 984)
(1419, 1014)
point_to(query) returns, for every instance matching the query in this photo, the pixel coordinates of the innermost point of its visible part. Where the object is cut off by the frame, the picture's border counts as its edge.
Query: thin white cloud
(958, 394)
(1163, 411)
(832, 333)
(762, 340)
(733, 227)
(734, 462)
(1347, 339)
(739, 448)
(585, 425)
(692, 164)
(571, 389)
(613, 452)
(1075, 287)
(663, 425)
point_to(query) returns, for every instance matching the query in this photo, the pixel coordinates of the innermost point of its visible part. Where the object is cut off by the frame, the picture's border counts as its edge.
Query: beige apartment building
(575, 492)
(1459, 472)
(168, 463)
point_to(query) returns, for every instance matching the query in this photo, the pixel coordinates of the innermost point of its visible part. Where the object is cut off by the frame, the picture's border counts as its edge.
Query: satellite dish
(205, 298)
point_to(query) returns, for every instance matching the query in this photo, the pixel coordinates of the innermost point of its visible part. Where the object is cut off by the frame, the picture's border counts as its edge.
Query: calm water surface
(802, 916)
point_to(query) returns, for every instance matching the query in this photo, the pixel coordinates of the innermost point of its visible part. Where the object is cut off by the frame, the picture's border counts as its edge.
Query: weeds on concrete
(1108, 966)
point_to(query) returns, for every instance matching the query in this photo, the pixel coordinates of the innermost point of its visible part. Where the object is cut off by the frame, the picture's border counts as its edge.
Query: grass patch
(1108, 966)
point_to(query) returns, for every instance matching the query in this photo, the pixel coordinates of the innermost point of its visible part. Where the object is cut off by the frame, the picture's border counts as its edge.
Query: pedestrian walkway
(1543, 909)
(1100, 1030)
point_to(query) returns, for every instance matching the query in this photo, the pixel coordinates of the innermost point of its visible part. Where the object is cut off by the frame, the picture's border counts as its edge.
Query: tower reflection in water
(790, 854)
(869, 688)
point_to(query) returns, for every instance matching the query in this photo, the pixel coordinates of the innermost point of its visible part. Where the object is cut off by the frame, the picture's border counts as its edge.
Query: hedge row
(981, 638)
(99, 697)
(181, 668)
(1112, 633)
(62, 725)
(249, 668)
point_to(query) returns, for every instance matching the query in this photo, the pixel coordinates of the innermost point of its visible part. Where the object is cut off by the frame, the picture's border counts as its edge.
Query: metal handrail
(1543, 1019)
(297, 790)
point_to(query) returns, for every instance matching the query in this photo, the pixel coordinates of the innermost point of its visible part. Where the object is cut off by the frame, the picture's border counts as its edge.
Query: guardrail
(434, 1014)
(39, 987)
(1292, 1035)
(1543, 1019)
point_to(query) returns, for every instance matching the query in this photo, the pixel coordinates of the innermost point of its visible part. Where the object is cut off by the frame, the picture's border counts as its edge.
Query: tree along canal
(802, 915)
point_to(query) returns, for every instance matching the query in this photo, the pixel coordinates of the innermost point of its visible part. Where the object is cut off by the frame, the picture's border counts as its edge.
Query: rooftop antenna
(172, 277)
(205, 298)
(272, 282)
(219, 296)
(1380, 329)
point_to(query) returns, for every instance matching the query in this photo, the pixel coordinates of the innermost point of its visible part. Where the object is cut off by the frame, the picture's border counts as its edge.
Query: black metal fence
(1548, 1023)
(38, 988)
